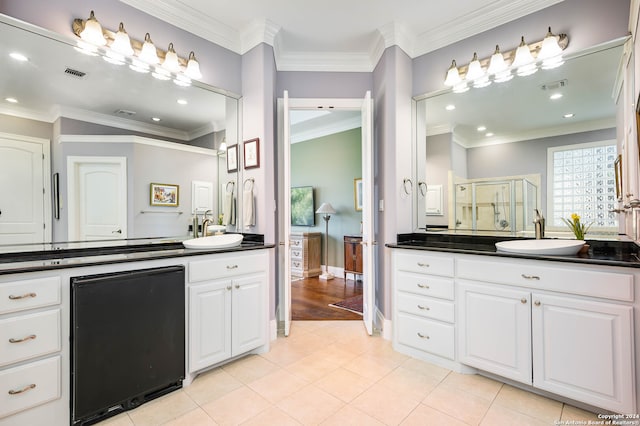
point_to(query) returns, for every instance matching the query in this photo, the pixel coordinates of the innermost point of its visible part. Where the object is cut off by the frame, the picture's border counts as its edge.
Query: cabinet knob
(537, 303)
(24, 339)
(24, 389)
(237, 285)
(523, 300)
(228, 287)
(423, 286)
(22, 296)
(424, 308)
(423, 336)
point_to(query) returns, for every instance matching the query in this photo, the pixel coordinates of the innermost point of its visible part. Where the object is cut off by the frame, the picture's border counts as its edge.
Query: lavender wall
(305, 84)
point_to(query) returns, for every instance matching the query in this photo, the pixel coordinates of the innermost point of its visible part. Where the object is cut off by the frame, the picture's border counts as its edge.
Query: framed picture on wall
(357, 194)
(252, 153)
(164, 194)
(232, 158)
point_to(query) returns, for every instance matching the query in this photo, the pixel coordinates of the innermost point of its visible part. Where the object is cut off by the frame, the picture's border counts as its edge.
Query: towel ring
(244, 185)
(404, 186)
(233, 184)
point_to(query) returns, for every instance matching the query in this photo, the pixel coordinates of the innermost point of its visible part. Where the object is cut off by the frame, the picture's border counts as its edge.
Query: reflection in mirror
(82, 115)
(545, 141)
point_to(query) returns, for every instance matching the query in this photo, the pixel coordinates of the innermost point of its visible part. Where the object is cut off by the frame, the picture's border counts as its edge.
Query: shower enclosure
(498, 204)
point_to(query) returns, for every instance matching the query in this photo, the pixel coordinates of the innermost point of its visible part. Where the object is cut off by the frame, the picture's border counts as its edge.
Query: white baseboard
(273, 329)
(385, 331)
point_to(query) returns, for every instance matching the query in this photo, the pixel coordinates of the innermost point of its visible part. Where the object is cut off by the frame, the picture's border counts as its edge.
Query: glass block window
(581, 179)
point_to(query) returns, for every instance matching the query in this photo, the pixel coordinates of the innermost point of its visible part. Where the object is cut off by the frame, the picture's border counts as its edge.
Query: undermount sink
(546, 247)
(214, 241)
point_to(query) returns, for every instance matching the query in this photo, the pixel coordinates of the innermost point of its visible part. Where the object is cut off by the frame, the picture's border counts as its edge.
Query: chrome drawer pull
(423, 286)
(423, 336)
(232, 266)
(25, 389)
(24, 339)
(537, 303)
(423, 265)
(530, 277)
(424, 308)
(523, 300)
(24, 296)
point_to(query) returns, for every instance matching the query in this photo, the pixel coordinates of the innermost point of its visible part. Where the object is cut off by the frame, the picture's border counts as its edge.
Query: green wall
(330, 164)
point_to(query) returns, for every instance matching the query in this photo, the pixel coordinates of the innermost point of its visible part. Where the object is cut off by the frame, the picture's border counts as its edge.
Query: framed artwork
(163, 194)
(252, 153)
(357, 194)
(232, 159)
(618, 175)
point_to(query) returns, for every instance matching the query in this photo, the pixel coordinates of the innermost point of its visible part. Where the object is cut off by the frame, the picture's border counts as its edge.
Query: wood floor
(310, 298)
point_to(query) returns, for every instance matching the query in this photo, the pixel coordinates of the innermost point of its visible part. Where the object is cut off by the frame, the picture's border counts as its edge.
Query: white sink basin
(214, 241)
(546, 247)
(216, 229)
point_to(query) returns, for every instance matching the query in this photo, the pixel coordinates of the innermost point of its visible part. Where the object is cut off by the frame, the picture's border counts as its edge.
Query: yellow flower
(575, 217)
(578, 229)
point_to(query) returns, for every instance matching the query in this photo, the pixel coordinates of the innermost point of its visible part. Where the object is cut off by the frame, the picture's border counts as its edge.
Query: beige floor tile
(312, 367)
(163, 409)
(310, 405)
(250, 368)
(359, 344)
(370, 368)
(427, 368)
(384, 404)
(283, 354)
(473, 383)
(212, 385)
(236, 407)
(384, 351)
(349, 416)
(409, 383)
(344, 384)
(499, 415)
(197, 417)
(528, 403)
(308, 342)
(427, 416)
(271, 416)
(121, 419)
(462, 405)
(307, 326)
(277, 385)
(569, 412)
(335, 354)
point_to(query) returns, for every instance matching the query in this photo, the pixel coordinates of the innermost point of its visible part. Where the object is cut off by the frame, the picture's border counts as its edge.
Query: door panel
(368, 226)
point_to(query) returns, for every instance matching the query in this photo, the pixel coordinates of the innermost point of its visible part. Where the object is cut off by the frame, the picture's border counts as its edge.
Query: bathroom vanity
(559, 325)
(225, 304)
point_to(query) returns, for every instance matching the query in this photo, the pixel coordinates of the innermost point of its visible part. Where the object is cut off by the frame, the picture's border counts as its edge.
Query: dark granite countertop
(42, 257)
(601, 252)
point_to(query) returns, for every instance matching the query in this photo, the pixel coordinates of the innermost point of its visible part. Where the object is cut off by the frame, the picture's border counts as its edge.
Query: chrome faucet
(539, 224)
(205, 222)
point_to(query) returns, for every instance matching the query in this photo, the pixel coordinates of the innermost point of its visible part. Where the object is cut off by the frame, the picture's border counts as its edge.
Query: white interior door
(24, 200)
(97, 198)
(368, 226)
(286, 190)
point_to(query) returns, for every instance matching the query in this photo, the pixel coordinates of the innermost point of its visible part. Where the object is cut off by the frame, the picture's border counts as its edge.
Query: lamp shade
(326, 208)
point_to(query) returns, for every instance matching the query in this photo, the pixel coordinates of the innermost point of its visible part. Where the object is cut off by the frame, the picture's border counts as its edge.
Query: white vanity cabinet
(228, 299)
(562, 328)
(30, 348)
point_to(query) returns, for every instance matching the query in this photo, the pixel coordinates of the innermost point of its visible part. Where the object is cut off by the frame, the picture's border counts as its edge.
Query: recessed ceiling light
(489, 134)
(12, 100)
(482, 128)
(182, 101)
(450, 107)
(155, 118)
(555, 96)
(570, 115)
(18, 56)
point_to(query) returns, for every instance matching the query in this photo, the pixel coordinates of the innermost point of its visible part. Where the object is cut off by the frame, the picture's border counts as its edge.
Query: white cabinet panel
(247, 316)
(426, 335)
(29, 293)
(28, 336)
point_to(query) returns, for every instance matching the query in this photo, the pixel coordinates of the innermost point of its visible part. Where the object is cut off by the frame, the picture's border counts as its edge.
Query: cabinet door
(248, 313)
(209, 327)
(495, 330)
(583, 350)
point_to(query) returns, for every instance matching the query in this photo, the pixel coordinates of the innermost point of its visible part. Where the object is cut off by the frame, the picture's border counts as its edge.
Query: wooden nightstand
(352, 256)
(305, 254)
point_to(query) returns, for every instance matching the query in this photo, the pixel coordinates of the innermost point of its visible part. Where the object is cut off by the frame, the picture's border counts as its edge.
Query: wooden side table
(305, 254)
(352, 256)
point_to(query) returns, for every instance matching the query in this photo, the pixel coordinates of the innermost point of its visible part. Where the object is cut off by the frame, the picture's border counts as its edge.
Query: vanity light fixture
(524, 60)
(118, 48)
(18, 57)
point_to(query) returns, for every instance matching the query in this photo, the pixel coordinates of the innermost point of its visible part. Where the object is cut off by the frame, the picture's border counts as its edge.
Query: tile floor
(332, 373)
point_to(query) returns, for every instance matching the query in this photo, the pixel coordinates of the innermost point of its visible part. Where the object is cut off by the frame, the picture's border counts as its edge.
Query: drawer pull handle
(296, 264)
(423, 265)
(530, 277)
(23, 296)
(537, 303)
(228, 287)
(24, 339)
(424, 308)
(523, 300)
(232, 266)
(423, 336)
(25, 389)
(237, 285)
(423, 286)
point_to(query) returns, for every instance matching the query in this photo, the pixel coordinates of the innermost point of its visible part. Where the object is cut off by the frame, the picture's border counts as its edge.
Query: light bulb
(148, 53)
(453, 76)
(171, 62)
(92, 32)
(193, 67)
(121, 42)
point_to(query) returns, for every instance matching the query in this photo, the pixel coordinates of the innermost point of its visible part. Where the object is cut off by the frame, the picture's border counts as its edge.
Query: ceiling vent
(74, 73)
(126, 112)
(555, 85)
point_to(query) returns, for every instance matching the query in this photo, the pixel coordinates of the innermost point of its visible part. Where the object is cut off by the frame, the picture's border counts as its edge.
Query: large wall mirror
(120, 133)
(488, 157)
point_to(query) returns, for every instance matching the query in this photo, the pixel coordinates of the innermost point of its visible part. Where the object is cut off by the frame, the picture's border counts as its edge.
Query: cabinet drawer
(296, 254)
(425, 307)
(27, 294)
(583, 280)
(434, 264)
(426, 335)
(28, 336)
(425, 285)
(296, 242)
(29, 385)
(221, 266)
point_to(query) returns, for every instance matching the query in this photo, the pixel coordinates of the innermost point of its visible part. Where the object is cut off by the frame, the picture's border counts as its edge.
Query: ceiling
(337, 35)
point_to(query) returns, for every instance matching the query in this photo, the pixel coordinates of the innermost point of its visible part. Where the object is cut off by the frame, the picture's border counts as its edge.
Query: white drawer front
(433, 263)
(425, 307)
(29, 385)
(426, 335)
(30, 293)
(566, 278)
(296, 242)
(28, 336)
(223, 265)
(425, 285)
(296, 254)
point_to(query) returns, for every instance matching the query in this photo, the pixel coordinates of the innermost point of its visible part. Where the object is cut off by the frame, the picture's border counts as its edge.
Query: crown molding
(329, 129)
(397, 34)
(323, 61)
(257, 32)
(181, 15)
(141, 140)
